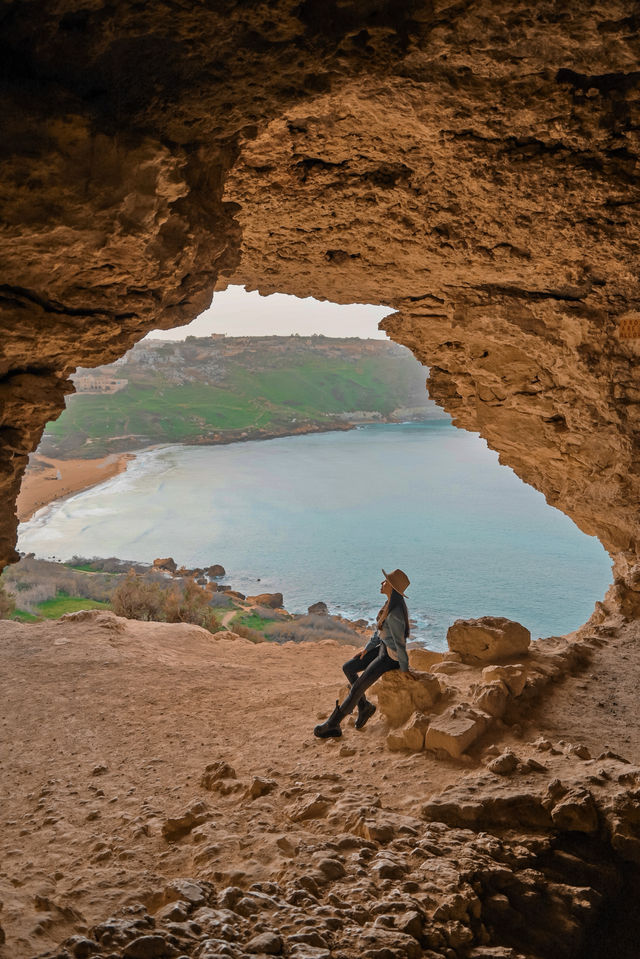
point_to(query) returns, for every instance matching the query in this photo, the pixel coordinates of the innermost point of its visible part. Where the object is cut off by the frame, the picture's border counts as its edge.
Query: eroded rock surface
(473, 167)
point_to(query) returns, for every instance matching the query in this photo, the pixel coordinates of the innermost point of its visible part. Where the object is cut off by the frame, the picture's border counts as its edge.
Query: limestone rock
(514, 677)
(267, 943)
(176, 828)
(492, 698)
(488, 639)
(318, 609)
(399, 696)
(270, 600)
(411, 735)
(168, 564)
(260, 786)
(216, 771)
(504, 764)
(455, 729)
(215, 571)
(576, 812)
(313, 807)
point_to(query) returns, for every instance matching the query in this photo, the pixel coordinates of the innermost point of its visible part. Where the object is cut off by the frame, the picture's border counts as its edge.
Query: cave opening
(300, 514)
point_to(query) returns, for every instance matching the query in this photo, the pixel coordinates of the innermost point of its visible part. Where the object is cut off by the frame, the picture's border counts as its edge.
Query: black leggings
(372, 666)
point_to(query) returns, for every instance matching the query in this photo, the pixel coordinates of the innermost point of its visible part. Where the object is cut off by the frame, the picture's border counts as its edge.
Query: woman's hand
(362, 652)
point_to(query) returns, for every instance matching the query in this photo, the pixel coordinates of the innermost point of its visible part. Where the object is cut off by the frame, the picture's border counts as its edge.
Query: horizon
(238, 312)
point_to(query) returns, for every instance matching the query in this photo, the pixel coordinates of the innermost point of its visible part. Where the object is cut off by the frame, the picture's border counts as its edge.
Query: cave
(473, 167)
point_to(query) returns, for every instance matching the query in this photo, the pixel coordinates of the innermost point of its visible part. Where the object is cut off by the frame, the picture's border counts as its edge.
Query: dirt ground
(106, 734)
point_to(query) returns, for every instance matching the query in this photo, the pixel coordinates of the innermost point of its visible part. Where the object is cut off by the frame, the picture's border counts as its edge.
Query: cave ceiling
(473, 166)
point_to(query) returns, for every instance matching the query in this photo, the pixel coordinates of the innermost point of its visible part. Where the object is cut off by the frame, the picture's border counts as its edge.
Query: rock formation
(475, 168)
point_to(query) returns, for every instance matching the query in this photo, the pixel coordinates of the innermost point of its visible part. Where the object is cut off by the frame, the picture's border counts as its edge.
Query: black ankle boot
(331, 726)
(365, 712)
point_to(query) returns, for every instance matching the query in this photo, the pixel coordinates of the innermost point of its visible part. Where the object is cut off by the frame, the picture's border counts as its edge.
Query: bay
(318, 516)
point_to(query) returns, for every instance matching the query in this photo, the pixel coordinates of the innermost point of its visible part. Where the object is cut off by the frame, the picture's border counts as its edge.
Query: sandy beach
(48, 479)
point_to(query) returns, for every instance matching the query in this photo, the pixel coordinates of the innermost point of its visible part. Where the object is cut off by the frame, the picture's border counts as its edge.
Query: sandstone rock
(514, 677)
(216, 571)
(492, 698)
(147, 947)
(260, 787)
(455, 729)
(576, 812)
(168, 564)
(270, 600)
(399, 696)
(267, 943)
(504, 764)
(487, 639)
(411, 735)
(314, 807)
(318, 609)
(450, 668)
(195, 815)
(186, 890)
(422, 659)
(214, 772)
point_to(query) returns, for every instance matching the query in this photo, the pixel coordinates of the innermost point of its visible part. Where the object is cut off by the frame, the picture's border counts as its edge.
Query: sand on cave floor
(106, 732)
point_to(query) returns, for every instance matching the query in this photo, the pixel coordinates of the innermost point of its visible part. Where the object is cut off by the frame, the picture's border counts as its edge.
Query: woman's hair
(395, 601)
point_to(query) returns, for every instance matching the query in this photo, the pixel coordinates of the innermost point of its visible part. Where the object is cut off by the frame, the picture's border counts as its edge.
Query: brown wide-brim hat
(399, 580)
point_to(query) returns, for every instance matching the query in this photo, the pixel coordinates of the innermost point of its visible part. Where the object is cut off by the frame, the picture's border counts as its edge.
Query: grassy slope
(313, 391)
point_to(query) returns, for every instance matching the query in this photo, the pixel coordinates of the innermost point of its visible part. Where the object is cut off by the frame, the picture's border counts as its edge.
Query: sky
(238, 313)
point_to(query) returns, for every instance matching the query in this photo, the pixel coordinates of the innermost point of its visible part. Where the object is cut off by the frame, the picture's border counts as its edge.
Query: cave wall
(474, 166)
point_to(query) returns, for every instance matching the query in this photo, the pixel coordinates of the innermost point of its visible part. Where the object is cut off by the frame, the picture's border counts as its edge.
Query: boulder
(492, 698)
(421, 658)
(216, 570)
(399, 696)
(411, 735)
(576, 812)
(318, 609)
(167, 565)
(514, 677)
(487, 639)
(271, 600)
(455, 729)
(504, 764)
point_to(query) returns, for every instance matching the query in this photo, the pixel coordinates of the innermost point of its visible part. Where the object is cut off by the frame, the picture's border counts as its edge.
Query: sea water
(318, 516)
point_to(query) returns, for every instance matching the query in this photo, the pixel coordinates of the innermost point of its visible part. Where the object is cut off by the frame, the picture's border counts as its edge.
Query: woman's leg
(359, 663)
(372, 673)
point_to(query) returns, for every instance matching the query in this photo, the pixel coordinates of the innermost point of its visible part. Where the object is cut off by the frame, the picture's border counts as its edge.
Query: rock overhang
(474, 169)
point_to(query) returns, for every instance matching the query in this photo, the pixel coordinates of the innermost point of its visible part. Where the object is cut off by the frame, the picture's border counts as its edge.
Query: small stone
(580, 751)
(195, 815)
(259, 787)
(267, 943)
(504, 764)
(314, 807)
(346, 750)
(331, 868)
(215, 772)
(99, 770)
(146, 947)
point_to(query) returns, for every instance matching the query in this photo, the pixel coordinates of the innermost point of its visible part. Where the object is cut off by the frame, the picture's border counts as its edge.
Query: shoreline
(48, 479)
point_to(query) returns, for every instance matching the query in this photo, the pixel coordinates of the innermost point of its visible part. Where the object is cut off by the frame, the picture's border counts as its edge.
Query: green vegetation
(251, 621)
(202, 391)
(61, 604)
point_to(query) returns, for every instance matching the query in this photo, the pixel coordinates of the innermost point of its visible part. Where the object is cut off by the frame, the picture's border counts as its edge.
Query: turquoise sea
(317, 516)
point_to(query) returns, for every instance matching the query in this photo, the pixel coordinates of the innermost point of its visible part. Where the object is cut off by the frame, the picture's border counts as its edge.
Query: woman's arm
(395, 625)
(372, 644)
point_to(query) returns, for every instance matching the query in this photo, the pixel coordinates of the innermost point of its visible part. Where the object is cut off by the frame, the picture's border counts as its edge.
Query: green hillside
(207, 391)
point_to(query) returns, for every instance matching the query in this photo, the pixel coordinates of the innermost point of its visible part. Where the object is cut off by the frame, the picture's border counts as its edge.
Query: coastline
(49, 479)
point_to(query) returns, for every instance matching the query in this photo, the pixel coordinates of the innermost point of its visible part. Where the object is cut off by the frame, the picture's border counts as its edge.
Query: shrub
(7, 604)
(148, 598)
(138, 598)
